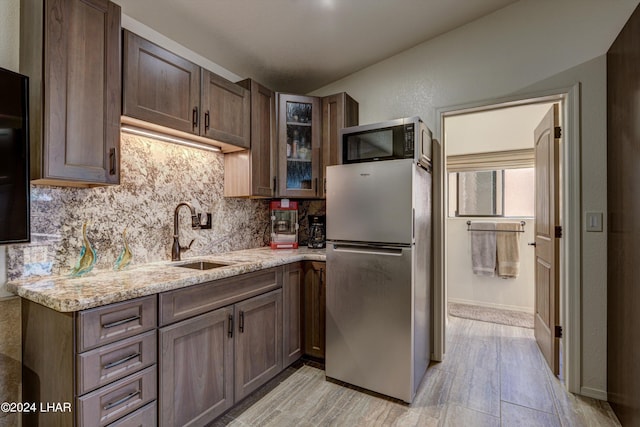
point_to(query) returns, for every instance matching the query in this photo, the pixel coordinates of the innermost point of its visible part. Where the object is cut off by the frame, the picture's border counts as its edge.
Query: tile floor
(494, 375)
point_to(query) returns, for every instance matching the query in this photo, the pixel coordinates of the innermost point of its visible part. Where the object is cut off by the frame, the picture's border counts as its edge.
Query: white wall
(531, 45)
(466, 287)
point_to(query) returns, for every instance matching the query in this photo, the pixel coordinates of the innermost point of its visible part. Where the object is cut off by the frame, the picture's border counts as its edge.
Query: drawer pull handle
(120, 322)
(121, 400)
(121, 361)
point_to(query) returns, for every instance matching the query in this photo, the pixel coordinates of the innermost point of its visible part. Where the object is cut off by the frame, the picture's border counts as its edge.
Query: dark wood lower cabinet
(258, 342)
(217, 343)
(196, 369)
(101, 361)
(212, 361)
(293, 277)
(314, 293)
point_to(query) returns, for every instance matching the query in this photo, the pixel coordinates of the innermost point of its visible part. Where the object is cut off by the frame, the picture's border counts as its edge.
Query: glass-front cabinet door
(299, 139)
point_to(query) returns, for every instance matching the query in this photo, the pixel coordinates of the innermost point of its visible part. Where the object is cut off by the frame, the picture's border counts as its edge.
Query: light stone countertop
(102, 287)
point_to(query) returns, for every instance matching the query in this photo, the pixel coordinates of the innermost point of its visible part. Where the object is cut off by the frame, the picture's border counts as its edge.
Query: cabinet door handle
(121, 401)
(120, 322)
(241, 323)
(194, 118)
(316, 183)
(207, 120)
(321, 280)
(230, 330)
(274, 185)
(112, 161)
(121, 361)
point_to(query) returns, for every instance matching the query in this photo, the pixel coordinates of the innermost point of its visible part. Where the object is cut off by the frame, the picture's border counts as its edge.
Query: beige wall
(10, 368)
(531, 45)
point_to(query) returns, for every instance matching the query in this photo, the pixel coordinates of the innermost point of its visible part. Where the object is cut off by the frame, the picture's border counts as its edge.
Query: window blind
(495, 160)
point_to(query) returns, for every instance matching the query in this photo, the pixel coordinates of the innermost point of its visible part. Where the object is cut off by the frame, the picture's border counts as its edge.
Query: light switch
(594, 221)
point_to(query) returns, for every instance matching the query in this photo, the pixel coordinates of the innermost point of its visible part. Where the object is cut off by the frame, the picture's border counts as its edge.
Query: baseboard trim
(492, 305)
(594, 393)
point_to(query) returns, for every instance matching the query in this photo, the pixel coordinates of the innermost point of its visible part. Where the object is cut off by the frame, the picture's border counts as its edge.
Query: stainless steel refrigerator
(379, 275)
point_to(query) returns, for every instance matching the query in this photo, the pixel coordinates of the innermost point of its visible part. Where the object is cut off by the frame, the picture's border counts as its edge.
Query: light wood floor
(494, 375)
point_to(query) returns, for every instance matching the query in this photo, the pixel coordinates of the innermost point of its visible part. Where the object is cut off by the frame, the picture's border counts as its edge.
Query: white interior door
(547, 234)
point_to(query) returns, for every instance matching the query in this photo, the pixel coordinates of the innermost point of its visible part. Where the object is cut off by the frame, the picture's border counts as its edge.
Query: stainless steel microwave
(396, 139)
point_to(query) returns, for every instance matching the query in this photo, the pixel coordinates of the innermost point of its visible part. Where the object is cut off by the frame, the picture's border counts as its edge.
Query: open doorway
(450, 230)
(491, 180)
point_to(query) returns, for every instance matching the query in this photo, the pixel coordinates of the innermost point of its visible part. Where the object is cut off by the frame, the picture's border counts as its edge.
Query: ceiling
(301, 45)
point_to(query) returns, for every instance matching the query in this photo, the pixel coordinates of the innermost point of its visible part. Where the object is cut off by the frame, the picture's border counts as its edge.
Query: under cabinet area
(164, 89)
(70, 50)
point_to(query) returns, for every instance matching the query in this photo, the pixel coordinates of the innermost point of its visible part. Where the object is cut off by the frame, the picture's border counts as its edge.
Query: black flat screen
(14, 158)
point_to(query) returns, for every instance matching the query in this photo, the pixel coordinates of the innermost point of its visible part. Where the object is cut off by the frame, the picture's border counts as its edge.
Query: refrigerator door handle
(368, 249)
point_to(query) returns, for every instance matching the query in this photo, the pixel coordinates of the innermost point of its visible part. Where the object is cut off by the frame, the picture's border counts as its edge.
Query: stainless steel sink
(201, 265)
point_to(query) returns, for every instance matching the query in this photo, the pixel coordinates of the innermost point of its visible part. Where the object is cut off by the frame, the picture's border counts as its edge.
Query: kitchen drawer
(104, 325)
(109, 403)
(104, 365)
(147, 416)
(188, 302)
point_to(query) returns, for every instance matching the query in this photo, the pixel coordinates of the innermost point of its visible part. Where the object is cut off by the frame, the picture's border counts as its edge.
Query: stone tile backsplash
(155, 177)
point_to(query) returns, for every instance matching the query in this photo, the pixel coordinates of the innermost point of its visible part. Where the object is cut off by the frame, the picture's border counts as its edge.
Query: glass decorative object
(126, 256)
(88, 256)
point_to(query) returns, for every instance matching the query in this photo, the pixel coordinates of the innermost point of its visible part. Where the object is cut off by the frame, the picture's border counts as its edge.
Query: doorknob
(531, 243)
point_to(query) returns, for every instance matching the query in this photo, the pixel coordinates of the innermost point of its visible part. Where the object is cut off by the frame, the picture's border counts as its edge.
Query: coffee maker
(317, 233)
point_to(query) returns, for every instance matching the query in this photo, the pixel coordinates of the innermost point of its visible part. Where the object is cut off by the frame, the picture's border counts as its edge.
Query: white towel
(508, 249)
(483, 248)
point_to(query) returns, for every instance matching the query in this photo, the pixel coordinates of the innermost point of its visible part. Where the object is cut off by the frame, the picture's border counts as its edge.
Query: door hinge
(558, 231)
(558, 332)
(557, 132)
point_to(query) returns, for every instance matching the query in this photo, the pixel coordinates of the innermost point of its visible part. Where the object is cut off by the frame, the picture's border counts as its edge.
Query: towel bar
(522, 224)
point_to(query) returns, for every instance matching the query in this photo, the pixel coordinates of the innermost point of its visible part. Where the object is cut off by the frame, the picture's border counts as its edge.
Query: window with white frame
(500, 184)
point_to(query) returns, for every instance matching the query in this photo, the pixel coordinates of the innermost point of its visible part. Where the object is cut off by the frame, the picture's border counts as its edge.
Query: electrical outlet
(593, 221)
(205, 221)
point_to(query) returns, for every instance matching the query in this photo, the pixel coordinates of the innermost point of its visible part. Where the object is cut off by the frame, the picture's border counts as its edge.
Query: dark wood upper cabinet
(308, 140)
(165, 89)
(299, 145)
(70, 49)
(252, 173)
(226, 110)
(160, 87)
(338, 111)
